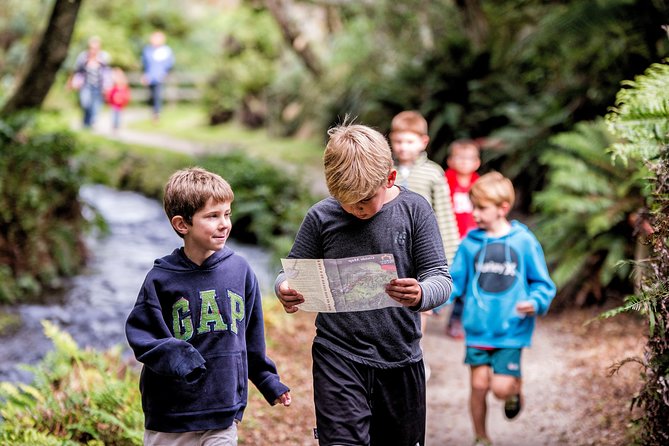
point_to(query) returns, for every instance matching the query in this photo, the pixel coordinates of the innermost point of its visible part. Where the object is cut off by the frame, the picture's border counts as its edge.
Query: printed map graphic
(338, 285)
(359, 285)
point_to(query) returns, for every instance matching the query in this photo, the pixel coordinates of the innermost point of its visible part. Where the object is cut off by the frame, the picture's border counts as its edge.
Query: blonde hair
(409, 121)
(493, 187)
(357, 162)
(188, 190)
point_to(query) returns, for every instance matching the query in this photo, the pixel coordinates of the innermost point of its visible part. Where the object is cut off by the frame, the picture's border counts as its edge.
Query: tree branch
(293, 36)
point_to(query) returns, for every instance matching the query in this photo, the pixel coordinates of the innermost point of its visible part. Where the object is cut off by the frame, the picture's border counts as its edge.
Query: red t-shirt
(118, 96)
(462, 205)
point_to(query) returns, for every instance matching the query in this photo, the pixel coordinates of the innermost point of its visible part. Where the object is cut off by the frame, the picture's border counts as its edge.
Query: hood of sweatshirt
(179, 261)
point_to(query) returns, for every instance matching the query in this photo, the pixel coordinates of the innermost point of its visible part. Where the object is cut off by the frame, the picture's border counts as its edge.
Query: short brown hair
(463, 143)
(493, 187)
(188, 190)
(357, 162)
(409, 121)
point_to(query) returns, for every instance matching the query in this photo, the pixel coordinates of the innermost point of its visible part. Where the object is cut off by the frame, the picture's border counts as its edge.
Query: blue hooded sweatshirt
(199, 332)
(493, 275)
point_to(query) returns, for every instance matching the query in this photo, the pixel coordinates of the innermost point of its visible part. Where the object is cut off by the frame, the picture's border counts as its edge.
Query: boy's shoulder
(426, 167)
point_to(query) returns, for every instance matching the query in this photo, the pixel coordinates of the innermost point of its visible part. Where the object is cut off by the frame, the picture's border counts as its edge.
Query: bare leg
(504, 386)
(480, 384)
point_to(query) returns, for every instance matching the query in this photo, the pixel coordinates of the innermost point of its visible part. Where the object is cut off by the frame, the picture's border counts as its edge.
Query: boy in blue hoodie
(197, 325)
(500, 271)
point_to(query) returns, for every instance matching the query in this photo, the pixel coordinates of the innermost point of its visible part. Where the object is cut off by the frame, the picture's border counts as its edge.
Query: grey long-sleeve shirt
(405, 227)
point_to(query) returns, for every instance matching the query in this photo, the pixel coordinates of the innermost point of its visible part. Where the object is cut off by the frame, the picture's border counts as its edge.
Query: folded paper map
(337, 285)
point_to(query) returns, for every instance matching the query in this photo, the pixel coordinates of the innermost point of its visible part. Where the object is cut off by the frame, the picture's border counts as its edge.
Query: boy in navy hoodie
(197, 325)
(500, 271)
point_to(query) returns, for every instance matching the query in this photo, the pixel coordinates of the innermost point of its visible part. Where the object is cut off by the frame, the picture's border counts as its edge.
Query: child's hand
(405, 291)
(525, 307)
(284, 399)
(289, 297)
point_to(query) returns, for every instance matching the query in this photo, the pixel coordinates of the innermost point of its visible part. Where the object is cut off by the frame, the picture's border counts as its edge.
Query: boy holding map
(368, 372)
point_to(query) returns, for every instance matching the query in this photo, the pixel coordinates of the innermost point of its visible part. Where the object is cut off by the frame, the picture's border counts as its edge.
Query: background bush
(41, 223)
(77, 397)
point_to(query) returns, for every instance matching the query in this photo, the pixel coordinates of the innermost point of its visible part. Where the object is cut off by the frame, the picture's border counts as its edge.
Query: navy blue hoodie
(199, 332)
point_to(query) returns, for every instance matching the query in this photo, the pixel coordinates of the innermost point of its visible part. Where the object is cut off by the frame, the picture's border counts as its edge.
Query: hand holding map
(337, 285)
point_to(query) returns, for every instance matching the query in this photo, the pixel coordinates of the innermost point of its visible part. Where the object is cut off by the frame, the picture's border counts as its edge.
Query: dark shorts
(365, 406)
(504, 361)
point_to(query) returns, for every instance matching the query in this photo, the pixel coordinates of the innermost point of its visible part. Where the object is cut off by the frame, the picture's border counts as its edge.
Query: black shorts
(365, 406)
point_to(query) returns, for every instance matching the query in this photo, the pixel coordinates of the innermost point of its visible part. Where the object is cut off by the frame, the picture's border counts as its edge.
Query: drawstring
(479, 267)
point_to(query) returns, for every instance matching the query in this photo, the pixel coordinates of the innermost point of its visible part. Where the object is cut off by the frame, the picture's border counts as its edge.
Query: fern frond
(640, 115)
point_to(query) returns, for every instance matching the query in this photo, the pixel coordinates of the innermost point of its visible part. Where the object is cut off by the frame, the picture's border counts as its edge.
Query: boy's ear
(392, 176)
(426, 140)
(505, 207)
(179, 224)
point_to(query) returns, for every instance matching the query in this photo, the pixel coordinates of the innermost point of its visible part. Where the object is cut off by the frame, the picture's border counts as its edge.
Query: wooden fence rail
(178, 87)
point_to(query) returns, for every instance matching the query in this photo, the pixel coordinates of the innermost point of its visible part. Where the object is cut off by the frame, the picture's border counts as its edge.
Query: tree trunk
(476, 22)
(293, 36)
(50, 52)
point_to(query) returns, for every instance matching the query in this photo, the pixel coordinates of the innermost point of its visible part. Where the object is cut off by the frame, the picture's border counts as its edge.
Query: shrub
(584, 214)
(40, 216)
(77, 397)
(269, 203)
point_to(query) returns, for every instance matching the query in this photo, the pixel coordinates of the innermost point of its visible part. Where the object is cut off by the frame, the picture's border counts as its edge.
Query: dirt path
(549, 399)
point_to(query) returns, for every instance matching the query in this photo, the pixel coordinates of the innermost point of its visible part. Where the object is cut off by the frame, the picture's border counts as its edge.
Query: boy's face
(209, 231)
(489, 215)
(367, 208)
(407, 146)
(464, 159)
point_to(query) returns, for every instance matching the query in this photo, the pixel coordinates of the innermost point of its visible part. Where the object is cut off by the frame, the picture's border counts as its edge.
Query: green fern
(641, 121)
(584, 208)
(640, 115)
(76, 397)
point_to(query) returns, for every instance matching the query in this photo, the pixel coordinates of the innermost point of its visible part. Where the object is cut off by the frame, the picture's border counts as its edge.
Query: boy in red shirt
(463, 161)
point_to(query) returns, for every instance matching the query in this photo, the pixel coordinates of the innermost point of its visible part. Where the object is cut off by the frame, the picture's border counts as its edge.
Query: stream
(94, 305)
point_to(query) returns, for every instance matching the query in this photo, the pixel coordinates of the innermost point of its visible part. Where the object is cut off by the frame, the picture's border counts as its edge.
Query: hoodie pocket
(489, 314)
(220, 386)
(501, 313)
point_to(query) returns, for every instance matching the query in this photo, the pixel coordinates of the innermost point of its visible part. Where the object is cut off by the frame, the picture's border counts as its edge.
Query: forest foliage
(529, 78)
(640, 119)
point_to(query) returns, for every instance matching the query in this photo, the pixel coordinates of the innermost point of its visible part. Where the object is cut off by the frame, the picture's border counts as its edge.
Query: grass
(189, 122)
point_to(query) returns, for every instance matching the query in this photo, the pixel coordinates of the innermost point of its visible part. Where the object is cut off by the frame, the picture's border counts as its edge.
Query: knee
(503, 389)
(480, 385)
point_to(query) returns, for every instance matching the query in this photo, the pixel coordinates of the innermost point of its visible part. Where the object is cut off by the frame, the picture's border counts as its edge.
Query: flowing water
(95, 304)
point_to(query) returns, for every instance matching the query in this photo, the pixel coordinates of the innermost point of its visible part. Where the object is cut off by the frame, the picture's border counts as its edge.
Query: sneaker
(512, 407)
(454, 330)
(482, 442)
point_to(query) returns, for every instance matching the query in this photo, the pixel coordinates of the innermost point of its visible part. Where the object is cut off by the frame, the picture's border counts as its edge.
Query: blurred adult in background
(91, 79)
(157, 61)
